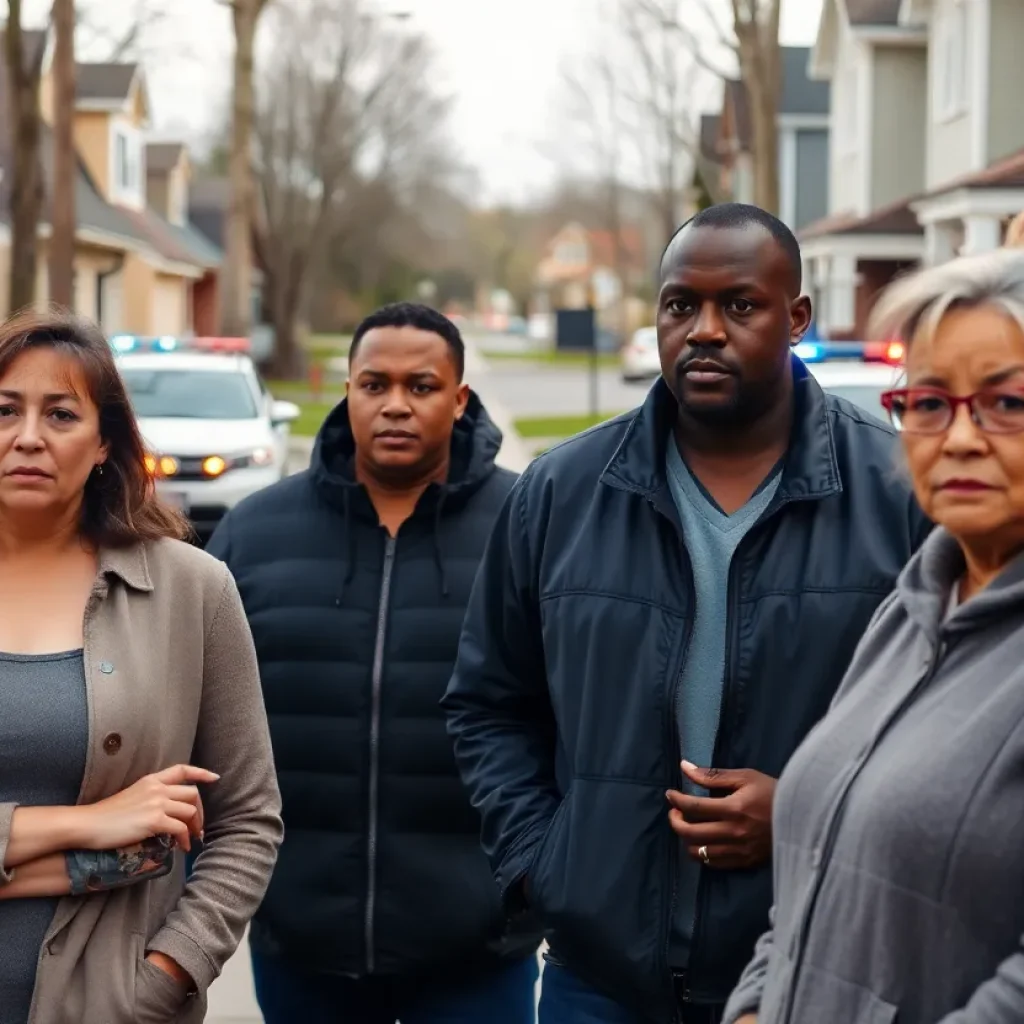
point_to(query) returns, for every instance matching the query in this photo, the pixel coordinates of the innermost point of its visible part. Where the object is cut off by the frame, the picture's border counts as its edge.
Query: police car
(862, 380)
(213, 431)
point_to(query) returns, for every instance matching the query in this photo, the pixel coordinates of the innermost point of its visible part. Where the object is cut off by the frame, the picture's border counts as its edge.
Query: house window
(127, 171)
(952, 63)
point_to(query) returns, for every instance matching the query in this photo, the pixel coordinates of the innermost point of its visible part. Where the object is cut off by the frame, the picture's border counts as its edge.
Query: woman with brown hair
(127, 679)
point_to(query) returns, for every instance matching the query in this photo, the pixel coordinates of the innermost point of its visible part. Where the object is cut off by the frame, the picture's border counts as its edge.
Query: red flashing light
(895, 352)
(220, 344)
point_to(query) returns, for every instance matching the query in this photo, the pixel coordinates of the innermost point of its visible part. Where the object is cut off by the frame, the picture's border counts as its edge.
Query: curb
(514, 454)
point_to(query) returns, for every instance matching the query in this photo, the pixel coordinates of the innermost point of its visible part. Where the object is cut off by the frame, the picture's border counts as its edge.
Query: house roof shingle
(112, 82)
(894, 219)
(873, 12)
(1005, 173)
(180, 245)
(162, 157)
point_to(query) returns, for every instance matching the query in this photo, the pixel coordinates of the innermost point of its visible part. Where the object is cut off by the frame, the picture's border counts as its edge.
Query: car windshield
(190, 394)
(867, 396)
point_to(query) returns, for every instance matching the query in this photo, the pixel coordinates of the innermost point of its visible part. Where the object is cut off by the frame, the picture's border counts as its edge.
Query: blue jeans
(288, 996)
(566, 999)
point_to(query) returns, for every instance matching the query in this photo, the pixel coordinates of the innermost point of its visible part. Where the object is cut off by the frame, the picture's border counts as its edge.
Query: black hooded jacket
(381, 871)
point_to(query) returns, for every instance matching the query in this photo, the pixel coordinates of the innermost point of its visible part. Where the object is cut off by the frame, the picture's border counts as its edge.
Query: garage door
(169, 310)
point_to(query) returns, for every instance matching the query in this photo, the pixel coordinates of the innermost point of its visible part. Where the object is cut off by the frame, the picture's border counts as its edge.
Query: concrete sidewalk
(514, 453)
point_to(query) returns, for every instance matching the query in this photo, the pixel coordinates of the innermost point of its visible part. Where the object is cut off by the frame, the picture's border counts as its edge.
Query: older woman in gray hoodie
(899, 824)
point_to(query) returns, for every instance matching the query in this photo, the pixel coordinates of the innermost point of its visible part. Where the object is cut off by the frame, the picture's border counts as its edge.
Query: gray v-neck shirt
(44, 736)
(711, 538)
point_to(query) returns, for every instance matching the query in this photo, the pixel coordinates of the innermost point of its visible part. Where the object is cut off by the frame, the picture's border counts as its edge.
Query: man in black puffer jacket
(355, 576)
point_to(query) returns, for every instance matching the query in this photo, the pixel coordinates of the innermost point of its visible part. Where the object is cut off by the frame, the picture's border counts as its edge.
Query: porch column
(842, 296)
(938, 246)
(982, 234)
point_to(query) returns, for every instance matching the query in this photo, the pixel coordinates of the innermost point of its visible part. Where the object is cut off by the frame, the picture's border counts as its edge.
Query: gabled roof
(104, 82)
(800, 93)
(162, 157)
(145, 231)
(870, 18)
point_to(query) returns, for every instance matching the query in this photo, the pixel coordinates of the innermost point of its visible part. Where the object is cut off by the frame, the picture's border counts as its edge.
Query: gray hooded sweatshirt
(899, 824)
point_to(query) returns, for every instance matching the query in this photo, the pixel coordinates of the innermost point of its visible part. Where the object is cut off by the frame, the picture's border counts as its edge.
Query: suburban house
(803, 126)
(878, 70)
(208, 201)
(584, 267)
(974, 160)
(927, 153)
(137, 266)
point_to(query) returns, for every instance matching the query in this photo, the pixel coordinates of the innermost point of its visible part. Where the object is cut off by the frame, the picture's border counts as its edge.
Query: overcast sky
(500, 59)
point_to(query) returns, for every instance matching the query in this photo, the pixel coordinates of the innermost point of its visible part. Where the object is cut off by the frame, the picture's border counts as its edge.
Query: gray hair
(919, 301)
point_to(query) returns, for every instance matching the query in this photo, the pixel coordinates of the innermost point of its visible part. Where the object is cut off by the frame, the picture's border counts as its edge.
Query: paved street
(534, 389)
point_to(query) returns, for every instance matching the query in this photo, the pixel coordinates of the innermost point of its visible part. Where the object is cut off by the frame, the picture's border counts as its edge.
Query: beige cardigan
(171, 677)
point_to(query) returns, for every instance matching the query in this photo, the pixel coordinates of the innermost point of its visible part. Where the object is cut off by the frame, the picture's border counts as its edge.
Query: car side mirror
(283, 412)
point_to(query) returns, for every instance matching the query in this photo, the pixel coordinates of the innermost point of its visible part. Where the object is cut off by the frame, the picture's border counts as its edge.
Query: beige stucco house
(927, 147)
(139, 265)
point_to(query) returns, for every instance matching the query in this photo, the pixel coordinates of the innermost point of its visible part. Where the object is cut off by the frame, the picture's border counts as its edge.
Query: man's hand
(748, 1018)
(736, 830)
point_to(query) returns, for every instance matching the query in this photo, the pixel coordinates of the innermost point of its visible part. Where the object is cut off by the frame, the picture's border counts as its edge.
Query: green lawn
(552, 357)
(311, 416)
(558, 426)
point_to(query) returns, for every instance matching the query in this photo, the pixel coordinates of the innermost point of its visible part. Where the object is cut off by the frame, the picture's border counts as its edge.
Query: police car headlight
(217, 465)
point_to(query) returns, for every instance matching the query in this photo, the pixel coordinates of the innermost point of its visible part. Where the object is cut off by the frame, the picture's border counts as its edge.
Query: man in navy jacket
(666, 607)
(355, 576)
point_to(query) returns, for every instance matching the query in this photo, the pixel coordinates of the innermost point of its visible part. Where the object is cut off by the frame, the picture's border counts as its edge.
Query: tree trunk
(236, 285)
(26, 196)
(761, 70)
(62, 202)
(287, 362)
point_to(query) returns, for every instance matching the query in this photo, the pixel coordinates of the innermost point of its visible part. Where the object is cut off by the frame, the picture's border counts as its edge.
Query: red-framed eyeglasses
(932, 410)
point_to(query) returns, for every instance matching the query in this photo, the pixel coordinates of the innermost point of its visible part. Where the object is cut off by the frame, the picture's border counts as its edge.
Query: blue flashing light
(809, 352)
(167, 343)
(123, 342)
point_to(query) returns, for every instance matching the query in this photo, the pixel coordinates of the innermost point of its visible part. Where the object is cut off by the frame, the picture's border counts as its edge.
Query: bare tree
(24, 70)
(753, 37)
(343, 102)
(236, 277)
(596, 107)
(126, 39)
(62, 200)
(663, 94)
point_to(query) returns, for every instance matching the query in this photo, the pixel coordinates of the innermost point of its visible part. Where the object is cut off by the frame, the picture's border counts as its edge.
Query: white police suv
(213, 431)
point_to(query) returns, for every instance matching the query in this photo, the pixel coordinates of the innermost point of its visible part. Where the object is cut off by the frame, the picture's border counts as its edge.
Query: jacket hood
(476, 441)
(925, 585)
